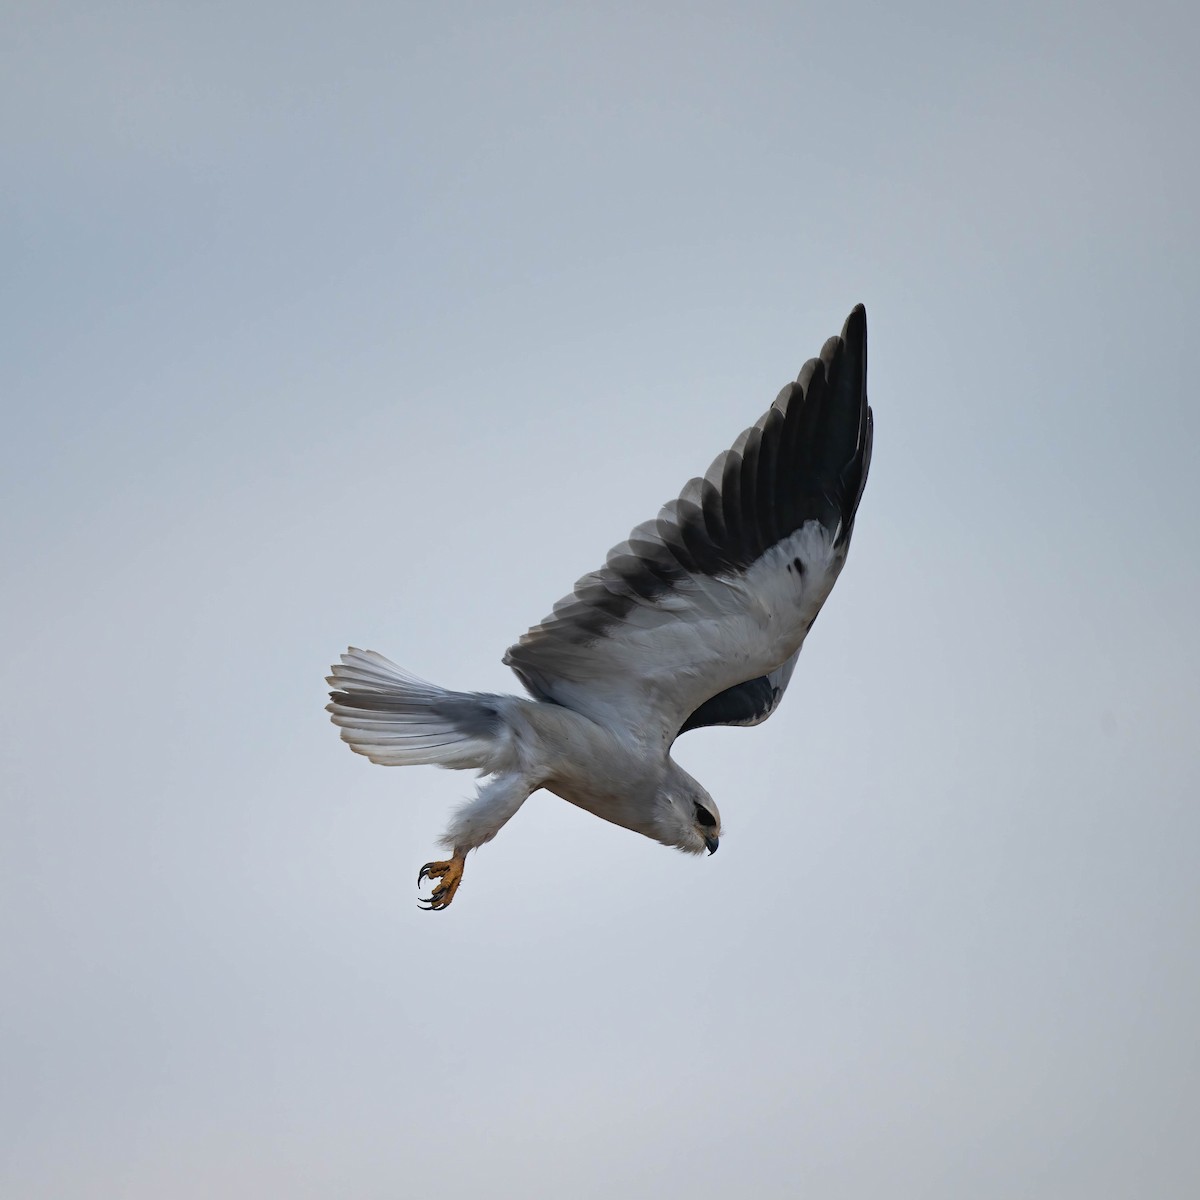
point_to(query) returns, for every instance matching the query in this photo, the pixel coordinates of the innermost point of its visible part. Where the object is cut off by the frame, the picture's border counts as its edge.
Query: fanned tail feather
(396, 719)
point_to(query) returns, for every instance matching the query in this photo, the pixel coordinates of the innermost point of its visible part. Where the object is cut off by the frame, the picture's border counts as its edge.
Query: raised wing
(698, 617)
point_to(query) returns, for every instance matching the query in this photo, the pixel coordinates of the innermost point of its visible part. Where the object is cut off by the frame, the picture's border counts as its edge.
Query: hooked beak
(712, 843)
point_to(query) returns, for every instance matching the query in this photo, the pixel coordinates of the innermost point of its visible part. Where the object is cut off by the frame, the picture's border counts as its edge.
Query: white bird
(697, 619)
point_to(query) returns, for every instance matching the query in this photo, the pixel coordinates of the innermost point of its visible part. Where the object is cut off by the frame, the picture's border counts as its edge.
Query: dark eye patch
(704, 817)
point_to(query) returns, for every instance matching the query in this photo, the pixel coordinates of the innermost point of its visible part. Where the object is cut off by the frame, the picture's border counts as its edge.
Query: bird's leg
(474, 824)
(450, 873)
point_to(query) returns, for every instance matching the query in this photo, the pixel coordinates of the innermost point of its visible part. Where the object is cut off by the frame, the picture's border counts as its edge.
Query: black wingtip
(854, 331)
(857, 409)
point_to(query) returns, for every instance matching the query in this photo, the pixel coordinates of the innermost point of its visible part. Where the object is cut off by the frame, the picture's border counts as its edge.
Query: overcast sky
(379, 324)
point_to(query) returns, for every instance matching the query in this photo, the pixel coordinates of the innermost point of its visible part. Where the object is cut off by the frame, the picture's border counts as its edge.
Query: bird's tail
(396, 719)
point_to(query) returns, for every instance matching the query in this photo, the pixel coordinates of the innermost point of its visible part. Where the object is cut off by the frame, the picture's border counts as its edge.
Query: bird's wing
(749, 703)
(699, 615)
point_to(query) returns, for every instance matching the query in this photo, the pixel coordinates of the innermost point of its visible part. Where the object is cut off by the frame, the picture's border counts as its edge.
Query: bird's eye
(704, 817)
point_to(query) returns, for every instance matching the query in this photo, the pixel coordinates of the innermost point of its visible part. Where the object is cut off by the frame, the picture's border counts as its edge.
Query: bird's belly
(609, 804)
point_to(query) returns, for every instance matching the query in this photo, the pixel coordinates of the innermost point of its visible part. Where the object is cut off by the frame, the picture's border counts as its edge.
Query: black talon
(442, 893)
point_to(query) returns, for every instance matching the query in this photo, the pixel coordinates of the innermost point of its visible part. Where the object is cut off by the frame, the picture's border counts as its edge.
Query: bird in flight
(697, 619)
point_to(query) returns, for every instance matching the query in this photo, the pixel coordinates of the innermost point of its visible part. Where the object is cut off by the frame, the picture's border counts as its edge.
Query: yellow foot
(450, 873)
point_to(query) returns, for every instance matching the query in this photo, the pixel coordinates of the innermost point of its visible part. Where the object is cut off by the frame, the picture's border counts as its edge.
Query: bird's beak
(712, 844)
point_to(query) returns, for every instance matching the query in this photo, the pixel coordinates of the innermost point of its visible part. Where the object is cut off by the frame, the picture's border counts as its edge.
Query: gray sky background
(379, 324)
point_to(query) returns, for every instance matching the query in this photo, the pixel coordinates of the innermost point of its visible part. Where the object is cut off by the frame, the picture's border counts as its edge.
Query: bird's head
(686, 815)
